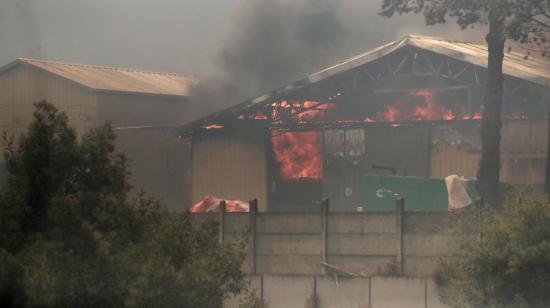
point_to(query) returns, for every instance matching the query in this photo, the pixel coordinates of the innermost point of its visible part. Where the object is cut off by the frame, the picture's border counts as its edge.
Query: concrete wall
(400, 243)
(298, 291)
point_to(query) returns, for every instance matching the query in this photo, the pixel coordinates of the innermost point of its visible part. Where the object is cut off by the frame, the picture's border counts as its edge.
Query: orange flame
(213, 126)
(301, 111)
(475, 116)
(422, 105)
(426, 110)
(299, 154)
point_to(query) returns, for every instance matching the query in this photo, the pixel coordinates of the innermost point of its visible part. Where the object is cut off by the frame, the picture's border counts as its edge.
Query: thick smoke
(272, 43)
(237, 48)
(278, 41)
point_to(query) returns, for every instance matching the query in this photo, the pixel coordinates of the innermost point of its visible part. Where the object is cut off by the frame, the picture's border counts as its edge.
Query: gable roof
(531, 69)
(111, 79)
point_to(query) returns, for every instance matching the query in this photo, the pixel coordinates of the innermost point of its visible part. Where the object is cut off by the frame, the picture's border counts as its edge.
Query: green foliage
(510, 266)
(526, 21)
(70, 235)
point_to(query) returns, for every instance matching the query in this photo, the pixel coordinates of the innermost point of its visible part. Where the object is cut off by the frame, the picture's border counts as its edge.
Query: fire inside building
(408, 108)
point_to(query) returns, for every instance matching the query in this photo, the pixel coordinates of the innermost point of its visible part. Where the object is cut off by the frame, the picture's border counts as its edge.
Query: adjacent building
(142, 107)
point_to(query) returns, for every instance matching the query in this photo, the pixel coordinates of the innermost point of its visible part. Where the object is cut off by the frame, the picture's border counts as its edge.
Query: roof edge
(26, 61)
(95, 66)
(347, 64)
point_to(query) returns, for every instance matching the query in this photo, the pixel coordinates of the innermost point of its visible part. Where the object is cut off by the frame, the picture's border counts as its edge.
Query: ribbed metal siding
(457, 150)
(231, 168)
(405, 148)
(22, 86)
(343, 180)
(523, 152)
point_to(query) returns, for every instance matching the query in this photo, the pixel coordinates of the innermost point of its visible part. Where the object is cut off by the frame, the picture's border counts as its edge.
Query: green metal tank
(420, 194)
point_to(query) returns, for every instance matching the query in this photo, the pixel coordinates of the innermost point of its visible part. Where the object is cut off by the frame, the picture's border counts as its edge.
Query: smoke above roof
(275, 42)
(240, 47)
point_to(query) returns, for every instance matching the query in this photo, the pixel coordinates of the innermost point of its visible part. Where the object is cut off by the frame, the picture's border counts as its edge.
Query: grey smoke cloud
(246, 46)
(279, 41)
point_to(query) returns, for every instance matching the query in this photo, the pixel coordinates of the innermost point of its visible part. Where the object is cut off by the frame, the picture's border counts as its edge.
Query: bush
(71, 236)
(510, 266)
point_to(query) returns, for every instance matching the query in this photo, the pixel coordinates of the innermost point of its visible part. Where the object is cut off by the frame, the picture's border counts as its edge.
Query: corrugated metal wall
(524, 152)
(159, 161)
(456, 150)
(22, 86)
(231, 167)
(160, 164)
(143, 110)
(406, 148)
(344, 169)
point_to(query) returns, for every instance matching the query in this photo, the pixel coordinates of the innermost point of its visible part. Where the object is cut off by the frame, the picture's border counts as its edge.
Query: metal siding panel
(160, 164)
(407, 148)
(230, 167)
(80, 105)
(523, 152)
(455, 149)
(22, 86)
(343, 169)
(134, 110)
(447, 160)
(343, 185)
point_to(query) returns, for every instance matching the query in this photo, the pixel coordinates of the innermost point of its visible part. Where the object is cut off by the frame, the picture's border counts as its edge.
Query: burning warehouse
(409, 108)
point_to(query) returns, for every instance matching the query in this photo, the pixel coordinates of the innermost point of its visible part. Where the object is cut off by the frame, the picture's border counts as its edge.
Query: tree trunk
(547, 178)
(489, 167)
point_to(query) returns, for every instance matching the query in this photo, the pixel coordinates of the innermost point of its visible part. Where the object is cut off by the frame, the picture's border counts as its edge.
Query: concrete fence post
(399, 215)
(325, 207)
(222, 220)
(253, 209)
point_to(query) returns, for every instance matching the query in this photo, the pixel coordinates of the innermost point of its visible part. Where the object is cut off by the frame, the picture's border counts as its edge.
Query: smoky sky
(248, 46)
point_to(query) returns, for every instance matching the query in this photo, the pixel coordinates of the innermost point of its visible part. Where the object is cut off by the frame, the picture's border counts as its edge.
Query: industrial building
(411, 107)
(142, 107)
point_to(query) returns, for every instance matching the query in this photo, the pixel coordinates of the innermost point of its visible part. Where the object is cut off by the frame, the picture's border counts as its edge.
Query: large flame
(416, 105)
(423, 108)
(299, 154)
(301, 112)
